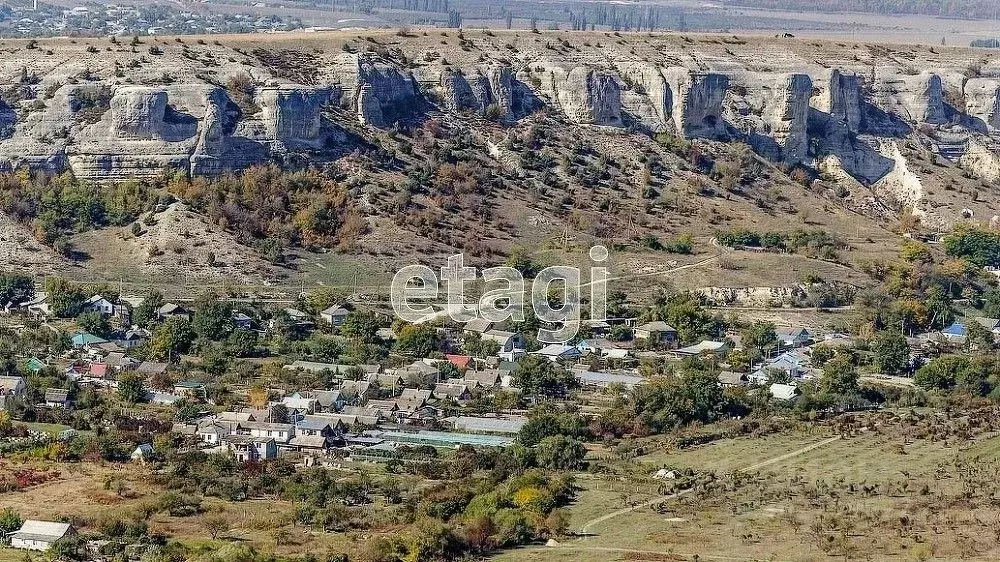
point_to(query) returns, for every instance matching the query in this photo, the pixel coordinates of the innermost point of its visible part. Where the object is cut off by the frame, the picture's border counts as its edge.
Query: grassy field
(872, 496)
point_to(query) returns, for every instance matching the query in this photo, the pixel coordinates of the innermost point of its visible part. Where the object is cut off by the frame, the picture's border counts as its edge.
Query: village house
(39, 535)
(12, 391)
(559, 352)
(512, 346)
(100, 305)
(250, 448)
(793, 337)
(335, 315)
(171, 310)
(477, 326)
(242, 321)
(83, 340)
(598, 380)
(656, 333)
(716, 348)
(280, 432)
(505, 425)
(452, 391)
(192, 389)
(142, 453)
(57, 398)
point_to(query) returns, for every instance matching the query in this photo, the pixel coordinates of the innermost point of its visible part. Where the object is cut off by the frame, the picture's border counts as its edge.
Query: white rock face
(839, 95)
(291, 114)
(914, 98)
(585, 94)
(137, 113)
(982, 100)
(900, 185)
(773, 112)
(479, 89)
(980, 161)
(382, 93)
(695, 102)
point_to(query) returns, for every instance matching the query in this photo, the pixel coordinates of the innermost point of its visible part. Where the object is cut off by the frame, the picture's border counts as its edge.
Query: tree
(242, 342)
(978, 337)
(892, 353)
(212, 319)
(65, 298)
(171, 338)
(417, 340)
(130, 388)
(215, 525)
(839, 377)
(16, 288)
(94, 322)
(362, 325)
(759, 336)
(739, 360)
(10, 521)
(145, 313)
(536, 375)
(821, 354)
(521, 261)
(560, 452)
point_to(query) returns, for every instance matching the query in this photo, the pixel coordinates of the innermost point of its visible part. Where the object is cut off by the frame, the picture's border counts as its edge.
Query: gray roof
(46, 531)
(598, 378)
(474, 424)
(656, 326)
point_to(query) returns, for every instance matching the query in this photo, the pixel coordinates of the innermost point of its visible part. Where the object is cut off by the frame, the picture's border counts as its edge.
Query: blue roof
(956, 329)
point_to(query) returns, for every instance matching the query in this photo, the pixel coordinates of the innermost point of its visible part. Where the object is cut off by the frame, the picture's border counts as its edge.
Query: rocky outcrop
(208, 156)
(772, 112)
(695, 101)
(839, 95)
(383, 94)
(480, 90)
(982, 101)
(137, 113)
(915, 99)
(590, 96)
(291, 114)
(980, 161)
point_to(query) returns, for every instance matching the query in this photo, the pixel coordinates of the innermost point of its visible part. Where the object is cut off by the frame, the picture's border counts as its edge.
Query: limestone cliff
(695, 102)
(982, 100)
(382, 93)
(772, 112)
(917, 98)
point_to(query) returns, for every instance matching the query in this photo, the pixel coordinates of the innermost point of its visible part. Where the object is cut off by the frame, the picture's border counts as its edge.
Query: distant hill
(966, 9)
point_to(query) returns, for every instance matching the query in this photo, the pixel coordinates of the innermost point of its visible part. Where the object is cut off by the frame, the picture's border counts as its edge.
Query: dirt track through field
(584, 530)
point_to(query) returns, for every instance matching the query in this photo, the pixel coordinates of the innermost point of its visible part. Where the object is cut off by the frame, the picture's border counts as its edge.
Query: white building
(39, 535)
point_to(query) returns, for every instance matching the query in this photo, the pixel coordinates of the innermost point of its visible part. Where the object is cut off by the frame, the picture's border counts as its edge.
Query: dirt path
(584, 530)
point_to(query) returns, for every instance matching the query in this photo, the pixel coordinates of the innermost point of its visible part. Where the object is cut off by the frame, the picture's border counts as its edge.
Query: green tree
(537, 376)
(95, 323)
(760, 337)
(362, 325)
(891, 352)
(242, 343)
(839, 377)
(145, 313)
(15, 288)
(10, 521)
(171, 338)
(417, 340)
(821, 354)
(978, 337)
(560, 452)
(212, 319)
(130, 388)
